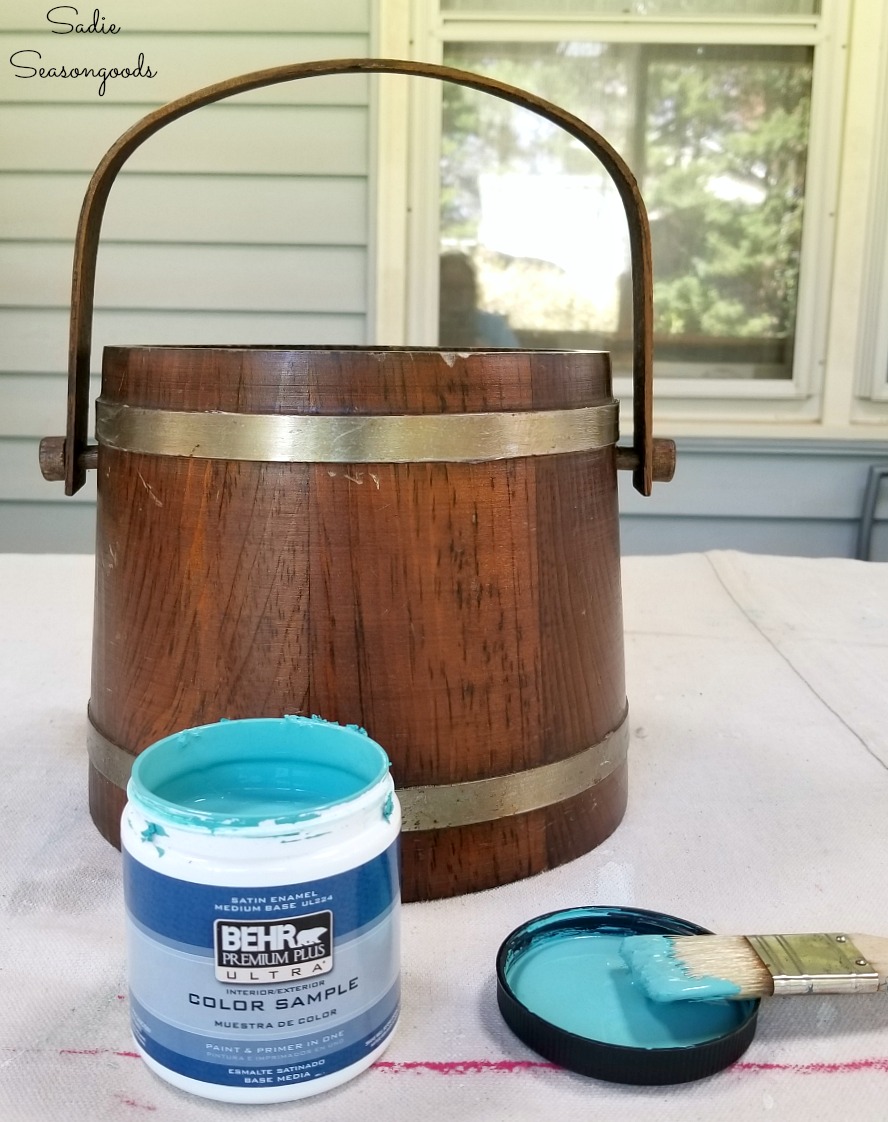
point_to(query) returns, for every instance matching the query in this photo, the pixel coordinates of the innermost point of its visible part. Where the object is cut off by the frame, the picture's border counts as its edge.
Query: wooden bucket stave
(463, 605)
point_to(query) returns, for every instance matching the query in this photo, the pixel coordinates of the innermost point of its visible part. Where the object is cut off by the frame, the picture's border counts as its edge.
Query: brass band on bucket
(351, 439)
(444, 805)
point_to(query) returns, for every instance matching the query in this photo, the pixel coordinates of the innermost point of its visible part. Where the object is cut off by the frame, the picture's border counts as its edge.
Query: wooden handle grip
(92, 211)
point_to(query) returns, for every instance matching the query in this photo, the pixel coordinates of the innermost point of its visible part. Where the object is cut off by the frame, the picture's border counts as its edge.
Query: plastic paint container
(262, 897)
(565, 991)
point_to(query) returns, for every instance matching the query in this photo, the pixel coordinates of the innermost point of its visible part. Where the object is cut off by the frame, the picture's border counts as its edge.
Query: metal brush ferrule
(822, 963)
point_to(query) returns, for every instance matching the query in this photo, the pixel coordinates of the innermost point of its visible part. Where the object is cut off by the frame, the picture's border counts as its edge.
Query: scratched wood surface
(467, 615)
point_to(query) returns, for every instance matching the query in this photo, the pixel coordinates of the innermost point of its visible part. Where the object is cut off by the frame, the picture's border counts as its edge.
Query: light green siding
(247, 222)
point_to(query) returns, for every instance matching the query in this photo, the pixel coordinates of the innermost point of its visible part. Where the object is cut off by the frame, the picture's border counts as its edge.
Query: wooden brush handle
(74, 457)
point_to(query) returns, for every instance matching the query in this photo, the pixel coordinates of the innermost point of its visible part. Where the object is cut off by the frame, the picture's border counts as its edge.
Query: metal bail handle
(70, 458)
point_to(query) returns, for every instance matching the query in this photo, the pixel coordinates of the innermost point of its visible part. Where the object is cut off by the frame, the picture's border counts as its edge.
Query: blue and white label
(266, 986)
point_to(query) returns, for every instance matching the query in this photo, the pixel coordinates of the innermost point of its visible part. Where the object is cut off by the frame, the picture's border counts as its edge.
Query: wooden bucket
(421, 542)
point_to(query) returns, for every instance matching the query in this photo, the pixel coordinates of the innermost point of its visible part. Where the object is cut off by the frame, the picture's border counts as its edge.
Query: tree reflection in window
(717, 137)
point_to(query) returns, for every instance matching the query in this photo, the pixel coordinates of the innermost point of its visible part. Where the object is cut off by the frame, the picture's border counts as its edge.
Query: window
(717, 136)
(639, 7)
(731, 114)
(872, 357)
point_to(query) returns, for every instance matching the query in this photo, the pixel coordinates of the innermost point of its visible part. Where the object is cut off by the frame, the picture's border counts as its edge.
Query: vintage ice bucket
(418, 541)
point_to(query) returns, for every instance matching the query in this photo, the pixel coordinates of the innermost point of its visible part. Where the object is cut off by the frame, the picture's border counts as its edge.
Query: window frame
(872, 356)
(802, 403)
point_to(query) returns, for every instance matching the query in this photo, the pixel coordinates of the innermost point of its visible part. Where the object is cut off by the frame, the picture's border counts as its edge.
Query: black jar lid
(560, 996)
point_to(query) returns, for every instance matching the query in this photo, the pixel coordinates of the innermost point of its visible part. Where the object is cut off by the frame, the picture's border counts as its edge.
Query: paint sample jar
(262, 905)
(565, 991)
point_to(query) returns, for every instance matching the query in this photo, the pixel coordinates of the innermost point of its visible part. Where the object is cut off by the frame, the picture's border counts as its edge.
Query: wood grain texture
(434, 861)
(467, 614)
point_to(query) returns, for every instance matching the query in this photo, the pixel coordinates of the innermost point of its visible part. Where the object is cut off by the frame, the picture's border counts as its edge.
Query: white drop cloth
(758, 691)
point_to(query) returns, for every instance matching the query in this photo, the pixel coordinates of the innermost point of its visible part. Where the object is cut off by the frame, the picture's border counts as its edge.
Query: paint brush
(706, 967)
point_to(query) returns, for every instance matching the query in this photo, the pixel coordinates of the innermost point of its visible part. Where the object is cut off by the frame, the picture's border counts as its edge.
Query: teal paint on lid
(565, 990)
(582, 985)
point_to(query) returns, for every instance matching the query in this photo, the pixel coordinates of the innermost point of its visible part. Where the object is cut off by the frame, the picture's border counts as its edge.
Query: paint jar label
(263, 987)
(297, 946)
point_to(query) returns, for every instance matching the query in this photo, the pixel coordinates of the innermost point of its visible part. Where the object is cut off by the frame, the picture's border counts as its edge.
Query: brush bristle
(696, 967)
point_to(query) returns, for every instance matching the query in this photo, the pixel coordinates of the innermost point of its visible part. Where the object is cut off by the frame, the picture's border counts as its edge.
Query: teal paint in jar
(262, 907)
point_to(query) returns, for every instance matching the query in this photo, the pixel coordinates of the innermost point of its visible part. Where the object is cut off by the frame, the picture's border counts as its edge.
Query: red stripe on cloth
(845, 1067)
(464, 1067)
(516, 1067)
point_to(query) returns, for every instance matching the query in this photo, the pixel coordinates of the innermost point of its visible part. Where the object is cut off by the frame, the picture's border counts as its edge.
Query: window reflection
(717, 137)
(463, 322)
